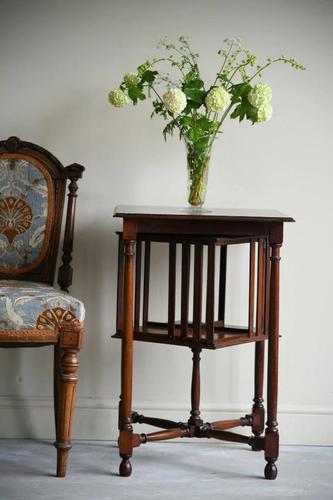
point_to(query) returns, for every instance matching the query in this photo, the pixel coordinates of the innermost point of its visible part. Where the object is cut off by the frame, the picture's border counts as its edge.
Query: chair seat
(29, 309)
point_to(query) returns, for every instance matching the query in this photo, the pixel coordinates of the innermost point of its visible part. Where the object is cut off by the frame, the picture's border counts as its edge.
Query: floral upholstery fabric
(24, 214)
(35, 306)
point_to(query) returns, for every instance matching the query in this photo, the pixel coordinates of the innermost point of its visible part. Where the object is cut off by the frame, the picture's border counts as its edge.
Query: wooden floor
(174, 470)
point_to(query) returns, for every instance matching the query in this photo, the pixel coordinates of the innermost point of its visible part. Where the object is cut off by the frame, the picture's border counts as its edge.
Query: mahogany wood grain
(120, 284)
(222, 281)
(137, 306)
(258, 410)
(210, 298)
(260, 288)
(67, 340)
(218, 228)
(227, 436)
(251, 287)
(146, 284)
(178, 432)
(172, 289)
(156, 422)
(272, 434)
(185, 287)
(195, 390)
(125, 441)
(197, 292)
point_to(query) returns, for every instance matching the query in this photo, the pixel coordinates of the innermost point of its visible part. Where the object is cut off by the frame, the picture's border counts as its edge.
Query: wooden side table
(201, 236)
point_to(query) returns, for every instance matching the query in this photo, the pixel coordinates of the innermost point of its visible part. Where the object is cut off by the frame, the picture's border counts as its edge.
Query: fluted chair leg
(68, 379)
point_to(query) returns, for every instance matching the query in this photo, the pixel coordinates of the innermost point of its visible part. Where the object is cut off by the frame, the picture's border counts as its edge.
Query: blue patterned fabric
(28, 306)
(24, 200)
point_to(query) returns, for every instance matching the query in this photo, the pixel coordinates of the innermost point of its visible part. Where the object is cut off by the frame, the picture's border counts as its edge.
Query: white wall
(58, 60)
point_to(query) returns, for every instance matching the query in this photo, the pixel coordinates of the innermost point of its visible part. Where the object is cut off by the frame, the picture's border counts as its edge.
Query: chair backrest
(32, 193)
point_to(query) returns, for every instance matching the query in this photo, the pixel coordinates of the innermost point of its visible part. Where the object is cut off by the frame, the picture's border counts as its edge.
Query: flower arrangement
(198, 111)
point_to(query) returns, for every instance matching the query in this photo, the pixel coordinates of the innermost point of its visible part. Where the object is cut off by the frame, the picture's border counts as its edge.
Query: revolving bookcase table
(201, 240)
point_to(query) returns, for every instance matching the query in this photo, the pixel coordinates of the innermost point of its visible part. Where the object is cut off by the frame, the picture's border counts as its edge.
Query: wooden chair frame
(68, 339)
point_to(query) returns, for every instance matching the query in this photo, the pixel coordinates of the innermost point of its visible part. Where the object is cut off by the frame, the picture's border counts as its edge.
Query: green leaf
(136, 93)
(204, 123)
(194, 134)
(186, 121)
(170, 127)
(191, 105)
(149, 76)
(251, 113)
(240, 90)
(196, 83)
(202, 144)
(195, 95)
(236, 112)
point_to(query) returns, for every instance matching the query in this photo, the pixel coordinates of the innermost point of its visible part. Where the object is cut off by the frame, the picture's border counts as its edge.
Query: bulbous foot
(271, 470)
(125, 468)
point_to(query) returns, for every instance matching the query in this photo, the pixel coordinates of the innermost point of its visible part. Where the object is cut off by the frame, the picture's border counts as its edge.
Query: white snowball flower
(118, 98)
(259, 95)
(131, 79)
(265, 112)
(217, 99)
(174, 100)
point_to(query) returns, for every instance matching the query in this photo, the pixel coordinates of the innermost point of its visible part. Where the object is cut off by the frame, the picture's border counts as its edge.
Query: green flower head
(118, 98)
(217, 99)
(144, 67)
(131, 79)
(174, 100)
(259, 95)
(265, 113)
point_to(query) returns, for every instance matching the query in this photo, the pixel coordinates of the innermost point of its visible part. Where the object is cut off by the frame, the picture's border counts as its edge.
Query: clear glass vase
(197, 172)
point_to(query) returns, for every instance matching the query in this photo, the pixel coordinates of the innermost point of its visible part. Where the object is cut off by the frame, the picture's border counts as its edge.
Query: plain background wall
(58, 60)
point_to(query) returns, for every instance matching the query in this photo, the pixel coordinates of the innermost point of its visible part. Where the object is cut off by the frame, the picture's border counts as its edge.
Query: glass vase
(197, 172)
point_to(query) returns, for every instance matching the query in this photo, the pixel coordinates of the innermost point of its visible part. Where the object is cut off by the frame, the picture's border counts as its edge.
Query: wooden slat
(137, 305)
(197, 291)
(222, 279)
(185, 286)
(120, 284)
(260, 288)
(172, 289)
(252, 287)
(210, 303)
(146, 285)
(267, 279)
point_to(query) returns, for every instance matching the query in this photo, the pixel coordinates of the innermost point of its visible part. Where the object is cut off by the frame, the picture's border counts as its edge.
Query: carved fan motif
(15, 217)
(50, 319)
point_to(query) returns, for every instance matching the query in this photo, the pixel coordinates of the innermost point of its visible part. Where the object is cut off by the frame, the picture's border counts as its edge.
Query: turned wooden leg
(272, 434)
(195, 390)
(56, 383)
(70, 342)
(125, 420)
(258, 410)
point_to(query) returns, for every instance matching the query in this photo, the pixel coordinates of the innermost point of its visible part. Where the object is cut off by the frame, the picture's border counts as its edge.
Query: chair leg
(56, 383)
(70, 342)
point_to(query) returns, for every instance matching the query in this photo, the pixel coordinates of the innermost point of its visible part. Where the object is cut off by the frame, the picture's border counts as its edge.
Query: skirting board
(97, 419)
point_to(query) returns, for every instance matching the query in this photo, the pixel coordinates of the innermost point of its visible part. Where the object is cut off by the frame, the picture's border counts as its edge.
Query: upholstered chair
(33, 313)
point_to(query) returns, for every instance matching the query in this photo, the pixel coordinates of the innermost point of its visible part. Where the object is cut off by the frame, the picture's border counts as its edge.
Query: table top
(183, 213)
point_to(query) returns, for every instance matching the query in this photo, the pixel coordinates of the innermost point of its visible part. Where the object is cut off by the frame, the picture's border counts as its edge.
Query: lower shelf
(223, 336)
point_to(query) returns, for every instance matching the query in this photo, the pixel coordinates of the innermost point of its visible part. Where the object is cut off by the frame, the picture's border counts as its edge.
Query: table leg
(125, 413)
(195, 420)
(272, 434)
(258, 410)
